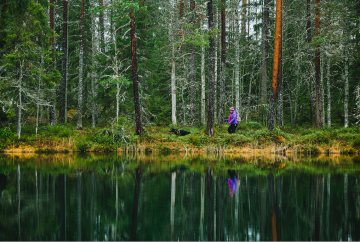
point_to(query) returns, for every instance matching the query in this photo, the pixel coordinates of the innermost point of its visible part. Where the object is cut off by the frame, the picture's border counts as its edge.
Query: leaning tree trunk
(139, 128)
(319, 112)
(278, 33)
(192, 73)
(210, 115)
(81, 63)
(308, 29)
(223, 65)
(265, 51)
(62, 110)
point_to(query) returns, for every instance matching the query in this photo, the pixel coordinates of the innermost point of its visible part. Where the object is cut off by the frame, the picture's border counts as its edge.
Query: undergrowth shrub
(318, 137)
(356, 143)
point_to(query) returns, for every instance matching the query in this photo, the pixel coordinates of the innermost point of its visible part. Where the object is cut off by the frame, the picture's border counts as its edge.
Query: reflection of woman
(232, 180)
(232, 121)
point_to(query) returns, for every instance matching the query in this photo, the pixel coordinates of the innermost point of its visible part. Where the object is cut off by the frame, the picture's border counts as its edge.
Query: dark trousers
(232, 128)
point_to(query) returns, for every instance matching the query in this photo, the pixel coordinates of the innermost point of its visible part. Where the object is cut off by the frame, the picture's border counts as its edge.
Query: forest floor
(250, 138)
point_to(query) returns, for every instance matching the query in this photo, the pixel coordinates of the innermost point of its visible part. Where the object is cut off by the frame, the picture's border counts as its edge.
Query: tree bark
(102, 28)
(192, 73)
(237, 60)
(202, 85)
(93, 75)
(265, 51)
(173, 88)
(62, 108)
(19, 106)
(319, 112)
(139, 128)
(81, 66)
(328, 94)
(223, 65)
(210, 115)
(280, 86)
(278, 33)
(53, 97)
(308, 29)
(346, 101)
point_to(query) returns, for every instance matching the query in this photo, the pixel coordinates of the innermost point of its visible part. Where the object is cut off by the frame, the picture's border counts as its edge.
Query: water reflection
(114, 198)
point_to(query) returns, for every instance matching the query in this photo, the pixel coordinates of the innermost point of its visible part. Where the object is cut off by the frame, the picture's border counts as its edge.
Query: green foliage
(318, 137)
(83, 145)
(356, 143)
(5, 134)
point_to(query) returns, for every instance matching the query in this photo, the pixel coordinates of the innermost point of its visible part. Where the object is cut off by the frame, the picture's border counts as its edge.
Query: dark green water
(117, 198)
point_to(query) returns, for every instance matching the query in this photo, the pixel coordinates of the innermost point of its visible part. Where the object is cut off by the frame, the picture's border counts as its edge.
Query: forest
(128, 65)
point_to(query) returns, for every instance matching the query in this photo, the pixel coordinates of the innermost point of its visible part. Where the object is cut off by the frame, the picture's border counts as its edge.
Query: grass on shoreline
(248, 136)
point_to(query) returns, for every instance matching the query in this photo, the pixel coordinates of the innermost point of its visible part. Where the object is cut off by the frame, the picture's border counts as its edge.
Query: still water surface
(118, 198)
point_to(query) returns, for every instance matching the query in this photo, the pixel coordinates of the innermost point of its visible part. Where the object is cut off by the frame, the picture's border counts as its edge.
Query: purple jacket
(233, 118)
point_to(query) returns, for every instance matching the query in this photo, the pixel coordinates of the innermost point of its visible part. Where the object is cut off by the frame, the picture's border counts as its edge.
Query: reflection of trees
(318, 203)
(272, 206)
(210, 205)
(78, 205)
(263, 224)
(138, 174)
(220, 209)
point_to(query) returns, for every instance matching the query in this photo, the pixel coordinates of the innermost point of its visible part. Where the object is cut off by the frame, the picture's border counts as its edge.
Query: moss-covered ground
(250, 137)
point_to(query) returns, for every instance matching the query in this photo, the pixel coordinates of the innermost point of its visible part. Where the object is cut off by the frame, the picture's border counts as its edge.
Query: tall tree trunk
(181, 13)
(223, 65)
(202, 85)
(280, 86)
(308, 29)
(62, 110)
(265, 51)
(346, 101)
(192, 72)
(278, 33)
(322, 91)
(243, 22)
(81, 66)
(319, 111)
(102, 27)
(139, 128)
(217, 42)
(93, 75)
(19, 106)
(237, 59)
(138, 175)
(53, 97)
(173, 87)
(328, 94)
(210, 115)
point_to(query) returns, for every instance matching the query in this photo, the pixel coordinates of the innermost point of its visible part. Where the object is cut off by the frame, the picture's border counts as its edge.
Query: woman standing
(232, 121)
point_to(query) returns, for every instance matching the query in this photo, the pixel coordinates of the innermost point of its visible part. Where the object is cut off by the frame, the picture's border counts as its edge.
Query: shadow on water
(172, 197)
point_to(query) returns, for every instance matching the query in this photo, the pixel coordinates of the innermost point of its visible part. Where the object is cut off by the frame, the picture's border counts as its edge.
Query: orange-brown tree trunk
(139, 128)
(278, 34)
(319, 121)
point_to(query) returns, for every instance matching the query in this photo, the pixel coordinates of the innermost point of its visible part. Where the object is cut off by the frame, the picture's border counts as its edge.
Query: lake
(179, 197)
